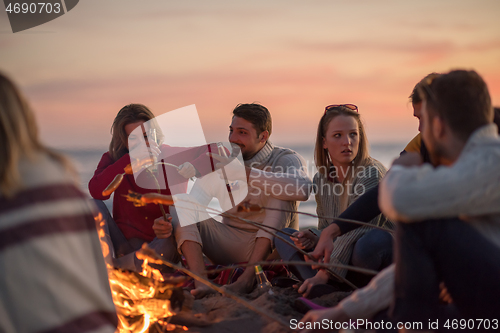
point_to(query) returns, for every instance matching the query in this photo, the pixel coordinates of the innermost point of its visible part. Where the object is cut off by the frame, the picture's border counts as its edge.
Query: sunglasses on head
(349, 106)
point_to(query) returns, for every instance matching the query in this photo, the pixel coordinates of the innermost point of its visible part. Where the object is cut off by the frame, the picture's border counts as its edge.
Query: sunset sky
(294, 57)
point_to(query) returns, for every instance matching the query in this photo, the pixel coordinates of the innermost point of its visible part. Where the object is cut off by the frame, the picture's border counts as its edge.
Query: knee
(281, 245)
(373, 250)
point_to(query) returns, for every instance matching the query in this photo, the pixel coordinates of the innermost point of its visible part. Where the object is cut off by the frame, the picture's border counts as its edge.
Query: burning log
(142, 299)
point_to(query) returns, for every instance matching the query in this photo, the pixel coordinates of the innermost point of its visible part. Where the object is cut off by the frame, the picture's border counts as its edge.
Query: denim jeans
(372, 251)
(449, 251)
(125, 249)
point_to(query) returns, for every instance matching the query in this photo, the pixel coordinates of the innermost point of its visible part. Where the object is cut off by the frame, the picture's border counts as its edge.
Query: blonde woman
(53, 274)
(345, 172)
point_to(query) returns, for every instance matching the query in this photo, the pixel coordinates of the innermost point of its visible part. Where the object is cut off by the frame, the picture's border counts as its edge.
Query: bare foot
(201, 291)
(239, 287)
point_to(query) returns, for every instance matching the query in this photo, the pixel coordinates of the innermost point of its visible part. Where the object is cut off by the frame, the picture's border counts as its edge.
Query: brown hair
(415, 96)
(496, 118)
(461, 98)
(18, 137)
(321, 156)
(129, 114)
(257, 114)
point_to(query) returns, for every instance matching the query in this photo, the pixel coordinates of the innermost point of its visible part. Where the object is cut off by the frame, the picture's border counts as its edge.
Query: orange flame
(135, 295)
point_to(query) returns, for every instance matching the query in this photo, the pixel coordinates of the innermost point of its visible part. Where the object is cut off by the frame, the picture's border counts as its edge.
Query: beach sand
(216, 313)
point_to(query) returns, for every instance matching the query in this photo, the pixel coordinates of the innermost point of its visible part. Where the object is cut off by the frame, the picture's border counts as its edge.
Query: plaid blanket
(231, 274)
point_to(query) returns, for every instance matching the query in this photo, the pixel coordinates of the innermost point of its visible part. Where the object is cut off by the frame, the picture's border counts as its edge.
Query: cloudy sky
(294, 57)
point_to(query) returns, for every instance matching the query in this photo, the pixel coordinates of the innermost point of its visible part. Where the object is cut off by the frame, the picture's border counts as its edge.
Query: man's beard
(436, 152)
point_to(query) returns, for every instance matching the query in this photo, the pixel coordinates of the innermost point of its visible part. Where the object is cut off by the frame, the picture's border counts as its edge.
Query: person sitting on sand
(131, 226)
(345, 172)
(365, 208)
(53, 275)
(464, 146)
(233, 241)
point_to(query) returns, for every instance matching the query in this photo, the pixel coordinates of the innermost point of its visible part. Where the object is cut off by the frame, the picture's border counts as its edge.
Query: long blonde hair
(129, 114)
(18, 137)
(321, 156)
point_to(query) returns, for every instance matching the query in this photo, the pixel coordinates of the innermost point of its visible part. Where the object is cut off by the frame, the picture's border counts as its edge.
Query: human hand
(324, 247)
(305, 240)
(162, 228)
(305, 288)
(231, 166)
(335, 314)
(444, 295)
(408, 159)
(141, 155)
(187, 170)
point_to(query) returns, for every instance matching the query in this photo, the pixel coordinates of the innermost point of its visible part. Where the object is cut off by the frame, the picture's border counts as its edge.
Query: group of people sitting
(431, 223)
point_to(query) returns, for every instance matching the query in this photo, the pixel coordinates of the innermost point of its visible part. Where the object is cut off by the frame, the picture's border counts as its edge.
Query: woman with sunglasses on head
(132, 226)
(345, 172)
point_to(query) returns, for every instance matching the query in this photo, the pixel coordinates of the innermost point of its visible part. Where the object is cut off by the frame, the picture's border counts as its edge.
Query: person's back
(53, 276)
(451, 210)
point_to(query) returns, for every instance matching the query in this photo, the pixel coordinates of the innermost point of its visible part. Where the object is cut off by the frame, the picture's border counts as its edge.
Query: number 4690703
(33, 8)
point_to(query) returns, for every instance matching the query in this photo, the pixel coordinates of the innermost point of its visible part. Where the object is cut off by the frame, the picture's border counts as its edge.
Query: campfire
(143, 300)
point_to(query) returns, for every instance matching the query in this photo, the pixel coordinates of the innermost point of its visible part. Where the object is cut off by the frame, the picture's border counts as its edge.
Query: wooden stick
(331, 218)
(260, 226)
(147, 253)
(298, 263)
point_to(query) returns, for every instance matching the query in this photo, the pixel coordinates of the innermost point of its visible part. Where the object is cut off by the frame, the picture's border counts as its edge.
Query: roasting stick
(128, 170)
(147, 253)
(168, 200)
(297, 263)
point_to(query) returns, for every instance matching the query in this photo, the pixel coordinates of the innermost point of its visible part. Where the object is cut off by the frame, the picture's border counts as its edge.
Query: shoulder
(319, 178)
(106, 156)
(373, 170)
(43, 170)
(287, 157)
(414, 145)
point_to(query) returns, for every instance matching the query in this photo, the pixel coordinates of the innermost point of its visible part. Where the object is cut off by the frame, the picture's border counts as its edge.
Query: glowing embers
(144, 299)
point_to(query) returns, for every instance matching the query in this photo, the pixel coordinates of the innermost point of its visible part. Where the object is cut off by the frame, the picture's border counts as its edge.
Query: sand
(217, 314)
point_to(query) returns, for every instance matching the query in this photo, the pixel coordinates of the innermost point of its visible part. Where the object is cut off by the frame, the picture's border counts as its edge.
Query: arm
(273, 218)
(364, 209)
(468, 187)
(290, 177)
(325, 247)
(362, 304)
(377, 295)
(105, 173)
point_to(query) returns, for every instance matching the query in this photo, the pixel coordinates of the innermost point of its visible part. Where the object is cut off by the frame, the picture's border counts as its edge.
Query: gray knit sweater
(328, 200)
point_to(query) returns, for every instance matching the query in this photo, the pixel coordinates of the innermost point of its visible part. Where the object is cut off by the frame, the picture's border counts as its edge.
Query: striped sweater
(328, 200)
(53, 275)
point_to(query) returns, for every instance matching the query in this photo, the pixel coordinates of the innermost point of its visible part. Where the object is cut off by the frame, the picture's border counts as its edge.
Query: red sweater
(137, 222)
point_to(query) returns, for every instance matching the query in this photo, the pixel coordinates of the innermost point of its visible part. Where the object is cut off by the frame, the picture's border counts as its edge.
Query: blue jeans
(372, 251)
(449, 251)
(124, 249)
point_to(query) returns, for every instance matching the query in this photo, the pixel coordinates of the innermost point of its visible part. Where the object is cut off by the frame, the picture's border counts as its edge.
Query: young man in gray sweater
(276, 178)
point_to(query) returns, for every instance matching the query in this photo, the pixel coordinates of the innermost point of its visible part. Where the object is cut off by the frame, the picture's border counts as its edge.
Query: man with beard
(449, 216)
(276, 179)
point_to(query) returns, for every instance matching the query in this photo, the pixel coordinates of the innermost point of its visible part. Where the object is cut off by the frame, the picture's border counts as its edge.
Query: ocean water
(86, 162)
